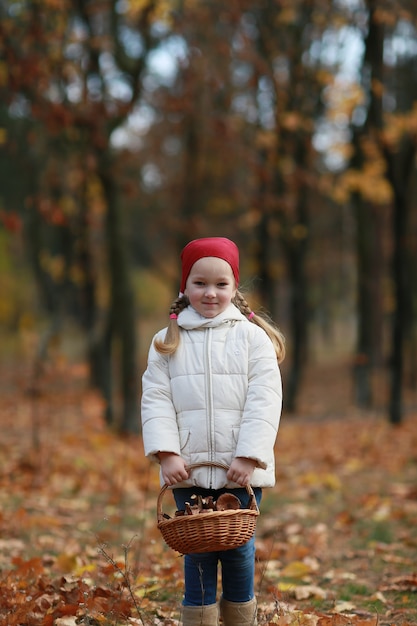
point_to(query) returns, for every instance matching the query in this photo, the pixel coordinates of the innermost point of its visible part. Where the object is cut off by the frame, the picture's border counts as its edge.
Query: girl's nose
(210, 291)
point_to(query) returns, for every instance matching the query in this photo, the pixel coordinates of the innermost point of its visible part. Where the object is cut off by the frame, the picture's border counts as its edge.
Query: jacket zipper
(209, 400)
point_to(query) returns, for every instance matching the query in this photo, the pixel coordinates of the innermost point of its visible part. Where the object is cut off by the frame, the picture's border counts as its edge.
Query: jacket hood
(189, 319)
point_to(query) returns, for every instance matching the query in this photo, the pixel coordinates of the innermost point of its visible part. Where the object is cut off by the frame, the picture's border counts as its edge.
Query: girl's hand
(241, 470)
(173, 468)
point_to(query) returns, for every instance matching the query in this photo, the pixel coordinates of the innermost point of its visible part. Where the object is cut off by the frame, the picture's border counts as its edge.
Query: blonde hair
(263, 322)
(172, 337)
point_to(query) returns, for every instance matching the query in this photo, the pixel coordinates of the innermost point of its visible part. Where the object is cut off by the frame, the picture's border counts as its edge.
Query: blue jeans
(237, 565)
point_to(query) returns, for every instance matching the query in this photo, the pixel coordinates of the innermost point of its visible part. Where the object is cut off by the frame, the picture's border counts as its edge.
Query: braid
(266, 324)
(172, 336)
(241, 304)
(178, 305)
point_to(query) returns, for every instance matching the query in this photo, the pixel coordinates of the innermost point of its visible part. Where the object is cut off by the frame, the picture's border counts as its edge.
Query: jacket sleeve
(159, 423)
(262, 410)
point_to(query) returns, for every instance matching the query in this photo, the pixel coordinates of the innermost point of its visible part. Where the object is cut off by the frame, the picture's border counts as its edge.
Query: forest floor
(336, 538)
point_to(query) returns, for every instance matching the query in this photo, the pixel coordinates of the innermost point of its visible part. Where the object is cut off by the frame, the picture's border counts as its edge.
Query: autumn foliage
(336, 543)
(128, 128)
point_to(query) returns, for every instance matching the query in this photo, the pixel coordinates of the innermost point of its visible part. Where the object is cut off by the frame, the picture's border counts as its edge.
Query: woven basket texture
(208, 532)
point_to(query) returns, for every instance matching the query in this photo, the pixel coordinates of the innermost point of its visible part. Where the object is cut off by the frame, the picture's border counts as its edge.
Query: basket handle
(252, 500)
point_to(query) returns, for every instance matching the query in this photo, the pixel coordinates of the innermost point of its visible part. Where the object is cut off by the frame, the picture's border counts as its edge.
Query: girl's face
(210, 286)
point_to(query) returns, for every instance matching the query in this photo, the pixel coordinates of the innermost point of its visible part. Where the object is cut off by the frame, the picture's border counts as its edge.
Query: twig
(124, 573)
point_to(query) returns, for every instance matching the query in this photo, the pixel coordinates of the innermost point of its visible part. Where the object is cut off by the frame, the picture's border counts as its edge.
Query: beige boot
(238, 613)
(207, 615)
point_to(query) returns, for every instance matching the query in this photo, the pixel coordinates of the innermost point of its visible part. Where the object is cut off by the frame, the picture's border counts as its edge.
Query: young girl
(212, 392)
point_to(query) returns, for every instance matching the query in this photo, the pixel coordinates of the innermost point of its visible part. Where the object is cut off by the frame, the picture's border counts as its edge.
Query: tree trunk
(298, 332)
(399, 177)
(122, 327)
(264, 243)
(365, 239)
(399, 315)
(296, 261)
(363, 363)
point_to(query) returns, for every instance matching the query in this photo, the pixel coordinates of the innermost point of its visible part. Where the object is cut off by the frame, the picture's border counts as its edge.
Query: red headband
(219, 247)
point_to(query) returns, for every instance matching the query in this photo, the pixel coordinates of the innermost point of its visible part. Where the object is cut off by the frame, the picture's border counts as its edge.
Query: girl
(212, 392)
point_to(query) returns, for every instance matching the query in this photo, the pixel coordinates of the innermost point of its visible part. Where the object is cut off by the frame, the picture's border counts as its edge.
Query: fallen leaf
(302, 592)
(65, 621)
(296, 569)
(343, 607)
(402, 583)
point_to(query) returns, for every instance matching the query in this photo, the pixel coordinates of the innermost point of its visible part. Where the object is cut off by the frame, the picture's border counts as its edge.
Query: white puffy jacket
(217, 397)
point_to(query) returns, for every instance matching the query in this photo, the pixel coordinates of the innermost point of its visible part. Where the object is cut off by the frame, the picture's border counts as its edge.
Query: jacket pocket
(184, 434)
(235, 435)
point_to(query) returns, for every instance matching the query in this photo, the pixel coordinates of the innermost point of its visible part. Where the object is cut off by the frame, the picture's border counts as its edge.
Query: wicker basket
(208, 532)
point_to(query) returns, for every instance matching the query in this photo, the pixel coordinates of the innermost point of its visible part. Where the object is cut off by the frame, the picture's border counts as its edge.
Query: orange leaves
(346, 620)
(25, 569)
(293, 618)
(370, 182)
(28, 592)
(51, 212)
(140, 10)
(343, 540)
(402, 583)
(335, 539)
(11, 221)
(398, 126)
(342, 98)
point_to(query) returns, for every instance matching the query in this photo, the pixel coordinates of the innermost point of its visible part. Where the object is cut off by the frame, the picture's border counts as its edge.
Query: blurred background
(129, 127)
